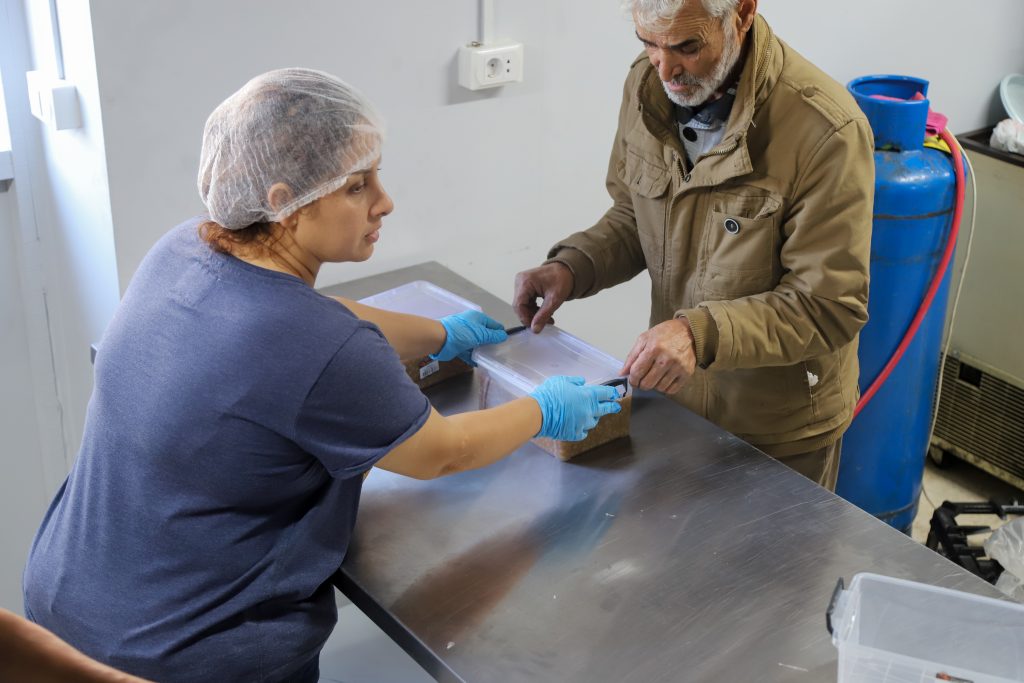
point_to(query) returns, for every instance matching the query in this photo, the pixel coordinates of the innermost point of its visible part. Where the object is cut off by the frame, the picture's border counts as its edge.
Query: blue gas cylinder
(884, 450)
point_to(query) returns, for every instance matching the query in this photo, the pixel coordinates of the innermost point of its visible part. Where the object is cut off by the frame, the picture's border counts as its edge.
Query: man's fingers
(638, 346)
(543, 315)
(641, 366)
(666, 383)
(676, 385)
(526, 308)
(658, 372)
(524, 301)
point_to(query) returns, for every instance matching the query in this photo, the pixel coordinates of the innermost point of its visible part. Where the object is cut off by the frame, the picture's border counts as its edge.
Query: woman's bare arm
(467, 441)
(412, 336)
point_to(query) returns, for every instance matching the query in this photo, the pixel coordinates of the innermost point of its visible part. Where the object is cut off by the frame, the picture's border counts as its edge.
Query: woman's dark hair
(254, 239)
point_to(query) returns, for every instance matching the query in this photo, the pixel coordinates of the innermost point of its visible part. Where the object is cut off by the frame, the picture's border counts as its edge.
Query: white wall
(964, 49)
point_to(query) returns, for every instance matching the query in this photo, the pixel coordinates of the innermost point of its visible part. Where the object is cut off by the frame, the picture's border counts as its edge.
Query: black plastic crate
(950, 539)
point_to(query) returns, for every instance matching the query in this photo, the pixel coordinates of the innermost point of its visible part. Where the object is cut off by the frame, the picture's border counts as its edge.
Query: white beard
(708, 85)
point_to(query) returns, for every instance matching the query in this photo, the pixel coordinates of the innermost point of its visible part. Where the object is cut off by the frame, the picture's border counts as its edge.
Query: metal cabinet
(981, 406)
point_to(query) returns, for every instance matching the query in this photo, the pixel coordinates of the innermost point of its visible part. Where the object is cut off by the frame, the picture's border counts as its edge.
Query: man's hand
(551, 282)
(663, 357)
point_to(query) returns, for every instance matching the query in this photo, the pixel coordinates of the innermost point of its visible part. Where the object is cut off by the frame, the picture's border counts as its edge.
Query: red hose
(926, 302)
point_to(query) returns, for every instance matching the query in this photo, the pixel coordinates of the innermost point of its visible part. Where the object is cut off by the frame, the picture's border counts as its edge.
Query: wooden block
(609, 428)
(426, 372)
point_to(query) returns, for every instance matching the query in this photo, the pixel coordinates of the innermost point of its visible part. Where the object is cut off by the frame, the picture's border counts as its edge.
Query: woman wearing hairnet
(236, 410)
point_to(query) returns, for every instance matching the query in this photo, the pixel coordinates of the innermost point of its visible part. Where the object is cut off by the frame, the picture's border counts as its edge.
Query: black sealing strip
(933, 214)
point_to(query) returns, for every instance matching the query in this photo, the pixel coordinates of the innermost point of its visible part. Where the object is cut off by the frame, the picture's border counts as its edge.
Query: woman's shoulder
(184, 233)
(169, 254)
(181, 240)
(301, 313)
(336, 323)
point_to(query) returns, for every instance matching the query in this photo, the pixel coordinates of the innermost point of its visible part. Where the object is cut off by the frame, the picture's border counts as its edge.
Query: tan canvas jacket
(763, 245)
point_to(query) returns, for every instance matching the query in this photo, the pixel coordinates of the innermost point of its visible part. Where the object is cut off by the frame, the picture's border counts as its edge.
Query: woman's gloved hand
(571, 409)
(465, 331)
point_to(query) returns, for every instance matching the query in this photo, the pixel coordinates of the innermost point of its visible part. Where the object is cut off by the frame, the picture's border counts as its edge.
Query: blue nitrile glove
(571, 409)
(465, 331)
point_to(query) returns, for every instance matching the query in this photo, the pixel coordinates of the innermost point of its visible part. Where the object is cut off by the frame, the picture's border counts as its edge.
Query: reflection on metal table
(678, 554)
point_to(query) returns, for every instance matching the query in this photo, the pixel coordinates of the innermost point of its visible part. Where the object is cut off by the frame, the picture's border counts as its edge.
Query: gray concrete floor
(358, 651)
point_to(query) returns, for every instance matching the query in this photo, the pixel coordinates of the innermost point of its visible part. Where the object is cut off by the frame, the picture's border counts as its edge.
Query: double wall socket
(488, 66)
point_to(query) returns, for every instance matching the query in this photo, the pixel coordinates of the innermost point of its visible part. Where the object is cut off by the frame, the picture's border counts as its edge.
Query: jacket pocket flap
(643, 177)
(738, 244)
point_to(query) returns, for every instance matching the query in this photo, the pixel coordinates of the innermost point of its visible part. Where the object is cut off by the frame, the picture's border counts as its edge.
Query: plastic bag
(1008, 136)
(1006, 545)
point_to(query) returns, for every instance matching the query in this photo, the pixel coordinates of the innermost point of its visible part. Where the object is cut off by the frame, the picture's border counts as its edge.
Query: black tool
(619, 382)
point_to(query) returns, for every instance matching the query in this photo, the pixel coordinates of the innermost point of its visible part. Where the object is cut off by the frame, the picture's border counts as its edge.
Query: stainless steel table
(679, 554)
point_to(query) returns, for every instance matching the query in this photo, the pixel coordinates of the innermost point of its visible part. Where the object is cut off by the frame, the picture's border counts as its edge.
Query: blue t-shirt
(235, 410)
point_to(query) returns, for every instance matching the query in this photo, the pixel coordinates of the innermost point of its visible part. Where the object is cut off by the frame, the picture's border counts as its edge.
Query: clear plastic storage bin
(521, 364)
(896, 631)
(430, 301)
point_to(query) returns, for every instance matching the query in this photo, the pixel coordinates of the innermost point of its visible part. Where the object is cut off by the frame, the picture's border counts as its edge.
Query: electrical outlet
(53, 101)
(488, 66)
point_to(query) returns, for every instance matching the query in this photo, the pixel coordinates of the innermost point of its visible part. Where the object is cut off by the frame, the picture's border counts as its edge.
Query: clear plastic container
(430, 301)
(527, 359)
(894, 631)
(420, 298)
(518, 366)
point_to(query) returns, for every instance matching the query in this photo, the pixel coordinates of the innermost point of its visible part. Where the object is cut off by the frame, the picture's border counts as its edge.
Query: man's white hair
(650, 14)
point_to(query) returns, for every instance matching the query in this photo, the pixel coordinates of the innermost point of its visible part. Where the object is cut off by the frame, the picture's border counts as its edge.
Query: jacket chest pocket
(740, 254)
(648, 185)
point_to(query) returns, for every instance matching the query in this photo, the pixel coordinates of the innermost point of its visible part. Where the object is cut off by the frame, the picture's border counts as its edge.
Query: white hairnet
(300, 127)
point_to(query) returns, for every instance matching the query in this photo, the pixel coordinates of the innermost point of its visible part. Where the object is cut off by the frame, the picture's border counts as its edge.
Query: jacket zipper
(761, 70)
(723, 152)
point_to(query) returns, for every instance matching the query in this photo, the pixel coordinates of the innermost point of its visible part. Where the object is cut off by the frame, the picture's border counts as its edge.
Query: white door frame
(26, 148)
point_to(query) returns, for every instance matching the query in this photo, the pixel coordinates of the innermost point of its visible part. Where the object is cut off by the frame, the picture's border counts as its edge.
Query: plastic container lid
(1011, 92)
(420, 298)
(890, 629)
(527, 359)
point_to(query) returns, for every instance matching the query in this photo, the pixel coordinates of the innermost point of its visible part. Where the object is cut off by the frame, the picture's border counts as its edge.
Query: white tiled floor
(359, 652)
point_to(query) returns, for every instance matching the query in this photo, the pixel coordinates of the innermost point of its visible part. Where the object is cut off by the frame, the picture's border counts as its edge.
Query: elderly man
(742, 181)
